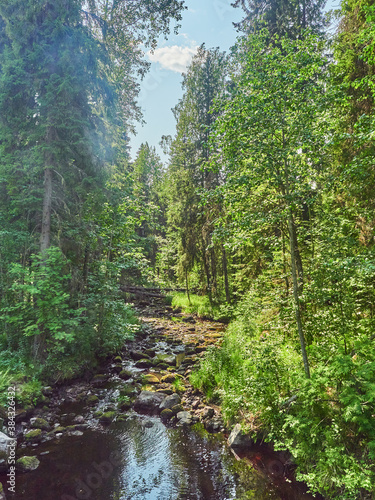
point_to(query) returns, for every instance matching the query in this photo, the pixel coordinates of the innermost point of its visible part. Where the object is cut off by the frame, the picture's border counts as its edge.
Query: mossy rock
(40, 423)
(122, 417)
(144, 363)
(167, 391)
(128, 390)
(117, 368)
(176, 409)
(150, 352)
(27, 464)
(58, 429)
(92, 400)
(150, 378)
(125, 374)
(107, 417)
(118, 359)
(125, 405)
(166, 414)
(33, 436)
(162, 365)
(169, 359)
(169, 379)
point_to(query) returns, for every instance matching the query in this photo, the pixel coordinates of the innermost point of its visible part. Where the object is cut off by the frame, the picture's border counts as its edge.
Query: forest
(264, 212)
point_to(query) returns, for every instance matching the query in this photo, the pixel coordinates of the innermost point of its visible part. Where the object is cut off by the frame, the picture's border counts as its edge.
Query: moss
(60, 428)
(166, 414)
(107, 417)
(26, 464)
(125, 374)
(34, 435)
(40, 423)
(92, 400)
(149, 378)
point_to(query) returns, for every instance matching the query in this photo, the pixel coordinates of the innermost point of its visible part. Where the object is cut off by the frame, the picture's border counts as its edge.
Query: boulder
(170, 401)
(27, 464)
(168, 359)
(92, 400)
(125, 374)
(166, 414)
(144, 363)
(149, 401)
(33, 436)
(169, 379)
(150, 378)
(47, 391)
(79, 419)
(184, 418)
(137, 355)
(238, 439)
(177, 408)
(107, 417)
(213, 425)
(40, 423)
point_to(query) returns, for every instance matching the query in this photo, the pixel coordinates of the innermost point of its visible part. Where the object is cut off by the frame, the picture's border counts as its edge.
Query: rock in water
(170, 401)
(149, 401)
(184, 418)
(27, 464)
(238, 439)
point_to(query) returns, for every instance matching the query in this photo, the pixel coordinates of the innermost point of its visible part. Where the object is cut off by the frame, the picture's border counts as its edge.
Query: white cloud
(174, 58)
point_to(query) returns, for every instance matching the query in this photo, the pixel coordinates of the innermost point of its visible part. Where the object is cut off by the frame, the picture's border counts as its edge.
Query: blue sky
(205, 21)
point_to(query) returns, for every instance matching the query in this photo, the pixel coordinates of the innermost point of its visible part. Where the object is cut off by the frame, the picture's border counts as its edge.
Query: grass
(199, 305)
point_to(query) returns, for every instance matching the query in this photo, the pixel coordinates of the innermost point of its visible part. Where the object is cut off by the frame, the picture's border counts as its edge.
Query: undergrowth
(200, 305)
(326, 422)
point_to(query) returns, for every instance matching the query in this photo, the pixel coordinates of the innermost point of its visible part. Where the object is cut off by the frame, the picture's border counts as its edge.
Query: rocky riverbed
(150, 377)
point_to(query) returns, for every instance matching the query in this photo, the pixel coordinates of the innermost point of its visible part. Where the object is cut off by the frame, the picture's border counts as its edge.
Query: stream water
(143, 459)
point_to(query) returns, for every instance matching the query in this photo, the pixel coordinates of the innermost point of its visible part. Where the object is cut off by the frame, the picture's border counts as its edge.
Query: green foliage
(325, 422)
(199, 305)
(29, 393)
(39, 302)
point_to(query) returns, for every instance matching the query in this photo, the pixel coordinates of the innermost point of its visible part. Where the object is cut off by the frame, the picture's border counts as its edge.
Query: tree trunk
(225, 272)
(284, 264)
(298, 259)
(187, 286)
(45, 234)
(293, 245)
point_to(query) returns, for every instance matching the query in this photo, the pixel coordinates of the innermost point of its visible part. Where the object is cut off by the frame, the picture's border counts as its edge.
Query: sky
(205, 21)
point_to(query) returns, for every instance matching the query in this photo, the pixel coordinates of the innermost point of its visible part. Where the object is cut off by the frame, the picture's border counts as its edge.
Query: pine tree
(282, 17)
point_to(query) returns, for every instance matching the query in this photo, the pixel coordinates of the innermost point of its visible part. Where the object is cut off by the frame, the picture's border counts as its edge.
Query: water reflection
(140, 459)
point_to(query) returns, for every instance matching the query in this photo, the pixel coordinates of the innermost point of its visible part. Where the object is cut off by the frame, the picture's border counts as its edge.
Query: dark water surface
(142, 459)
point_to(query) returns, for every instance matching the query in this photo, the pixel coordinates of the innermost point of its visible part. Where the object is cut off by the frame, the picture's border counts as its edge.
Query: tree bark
(293, 242)
(187, 285)
(225, 272)
(45, 234)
